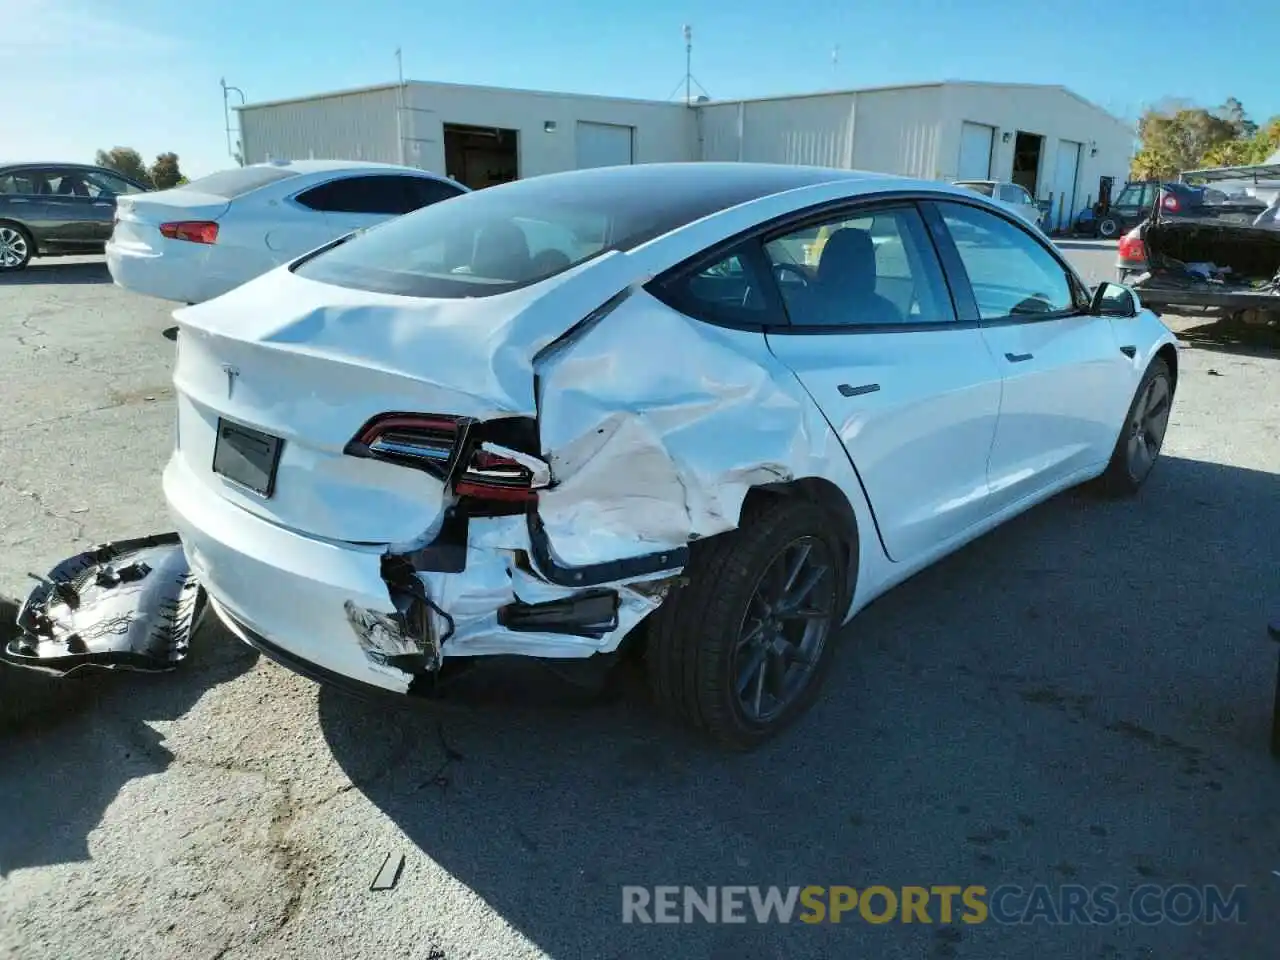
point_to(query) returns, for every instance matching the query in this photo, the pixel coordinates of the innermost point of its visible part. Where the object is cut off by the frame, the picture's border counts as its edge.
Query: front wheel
(742, 649)
(1108, 228)
(1142, 435)
(15, 247)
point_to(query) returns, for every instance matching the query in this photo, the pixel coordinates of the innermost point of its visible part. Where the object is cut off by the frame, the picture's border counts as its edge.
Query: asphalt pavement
(1082, 697)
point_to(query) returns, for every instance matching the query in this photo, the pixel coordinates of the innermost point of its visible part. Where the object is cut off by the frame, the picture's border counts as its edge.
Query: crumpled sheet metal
(656, 426)
(126, 605)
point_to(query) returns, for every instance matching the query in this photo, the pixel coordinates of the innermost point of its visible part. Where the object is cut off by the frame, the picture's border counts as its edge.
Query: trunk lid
(139, 215)
(312, 363)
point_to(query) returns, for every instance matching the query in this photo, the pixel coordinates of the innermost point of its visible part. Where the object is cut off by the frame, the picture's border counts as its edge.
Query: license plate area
(248, 458)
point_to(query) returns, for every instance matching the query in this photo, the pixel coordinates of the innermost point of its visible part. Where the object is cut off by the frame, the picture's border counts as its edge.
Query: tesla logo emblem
(231, 373)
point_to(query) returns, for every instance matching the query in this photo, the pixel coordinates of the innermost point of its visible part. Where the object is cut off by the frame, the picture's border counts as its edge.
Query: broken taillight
(1131, 247)
(437, 444)
(196, 231)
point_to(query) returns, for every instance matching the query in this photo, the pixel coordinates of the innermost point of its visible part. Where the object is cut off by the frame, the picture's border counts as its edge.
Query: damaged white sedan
(705, 411)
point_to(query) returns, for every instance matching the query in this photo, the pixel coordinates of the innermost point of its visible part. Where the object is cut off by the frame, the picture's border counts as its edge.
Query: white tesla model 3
(711, 410)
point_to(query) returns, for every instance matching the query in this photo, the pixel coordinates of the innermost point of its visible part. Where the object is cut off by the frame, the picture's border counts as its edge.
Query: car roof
(333, 166)
(42, 164)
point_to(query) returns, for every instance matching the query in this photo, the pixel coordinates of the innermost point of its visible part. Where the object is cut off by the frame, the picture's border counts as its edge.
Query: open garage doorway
(1027, 150)
(480, 156)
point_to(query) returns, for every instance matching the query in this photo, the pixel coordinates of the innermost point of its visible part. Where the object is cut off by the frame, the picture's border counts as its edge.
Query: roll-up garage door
(603, 145)
(975, 151)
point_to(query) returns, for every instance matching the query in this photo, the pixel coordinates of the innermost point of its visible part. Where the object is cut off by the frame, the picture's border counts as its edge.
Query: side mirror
(1114, 300)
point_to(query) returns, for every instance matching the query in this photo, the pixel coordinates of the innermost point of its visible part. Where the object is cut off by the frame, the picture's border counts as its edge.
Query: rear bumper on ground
(321, 607)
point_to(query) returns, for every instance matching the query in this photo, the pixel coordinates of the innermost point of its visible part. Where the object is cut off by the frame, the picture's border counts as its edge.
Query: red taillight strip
(195, 231)
(380, 425)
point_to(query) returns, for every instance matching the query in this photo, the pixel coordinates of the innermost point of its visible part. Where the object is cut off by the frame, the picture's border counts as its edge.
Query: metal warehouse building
(1053, 142)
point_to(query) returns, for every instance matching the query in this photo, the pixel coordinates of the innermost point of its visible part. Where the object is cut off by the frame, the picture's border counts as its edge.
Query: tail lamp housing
(453, 450)
(1131, 247)
(195, 231)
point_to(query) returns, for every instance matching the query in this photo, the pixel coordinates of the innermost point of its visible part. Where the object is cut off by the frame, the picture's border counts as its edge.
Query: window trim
(659, 286)
(958, 275)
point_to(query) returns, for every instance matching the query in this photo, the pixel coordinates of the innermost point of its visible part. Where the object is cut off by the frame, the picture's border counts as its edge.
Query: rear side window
(25, 183)
(239, 181)
(730, 290)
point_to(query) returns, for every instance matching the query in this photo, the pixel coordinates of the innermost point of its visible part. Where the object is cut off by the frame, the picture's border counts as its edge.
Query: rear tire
(722, 626)
(1108, 228)
(1142, 435)
(16, 247)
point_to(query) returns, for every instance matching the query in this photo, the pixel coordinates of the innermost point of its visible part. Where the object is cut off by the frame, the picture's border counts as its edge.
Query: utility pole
(688, 64)
(237, 155)
(400, 107)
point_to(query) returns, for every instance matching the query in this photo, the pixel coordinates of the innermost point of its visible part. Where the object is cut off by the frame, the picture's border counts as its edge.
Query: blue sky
(145, 73)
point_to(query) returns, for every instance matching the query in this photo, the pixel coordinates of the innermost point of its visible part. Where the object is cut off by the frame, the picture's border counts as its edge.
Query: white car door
(912, 392)
(1066, 381)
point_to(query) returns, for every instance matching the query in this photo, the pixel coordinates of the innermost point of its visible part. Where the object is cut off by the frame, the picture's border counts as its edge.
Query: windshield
(505, 237)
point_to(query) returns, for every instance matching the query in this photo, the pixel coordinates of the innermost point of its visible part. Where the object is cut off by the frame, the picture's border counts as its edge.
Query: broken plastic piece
(126, 605)
(592, 613)
(389, 873)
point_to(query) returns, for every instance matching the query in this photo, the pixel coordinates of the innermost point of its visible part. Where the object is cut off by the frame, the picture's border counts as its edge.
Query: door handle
(18, 200)
(1017, 357)
(102, 203)
(848, 391)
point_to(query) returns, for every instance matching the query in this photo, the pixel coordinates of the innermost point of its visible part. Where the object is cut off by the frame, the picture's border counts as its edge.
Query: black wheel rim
(784, 629)
(1146, 427)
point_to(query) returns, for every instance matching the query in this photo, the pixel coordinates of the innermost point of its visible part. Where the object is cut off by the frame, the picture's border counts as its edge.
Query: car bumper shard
(125, 605)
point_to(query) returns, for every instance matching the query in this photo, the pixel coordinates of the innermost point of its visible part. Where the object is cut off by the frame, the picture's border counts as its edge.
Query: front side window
(1011, 273)
(381, 195)
(109, 185)
(870, 269)
(425, 191)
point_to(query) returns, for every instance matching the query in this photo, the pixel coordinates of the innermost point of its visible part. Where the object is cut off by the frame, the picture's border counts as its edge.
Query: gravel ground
(1082, 697)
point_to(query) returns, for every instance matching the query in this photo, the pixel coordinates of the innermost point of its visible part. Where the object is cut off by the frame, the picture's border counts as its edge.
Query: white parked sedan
(624, 409)
(198, 241)
(1012, 196)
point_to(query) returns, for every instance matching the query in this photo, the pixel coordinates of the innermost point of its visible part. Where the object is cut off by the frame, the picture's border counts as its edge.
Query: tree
(1233, 112)
(125, 161)
(165, 172)
(1177, 141)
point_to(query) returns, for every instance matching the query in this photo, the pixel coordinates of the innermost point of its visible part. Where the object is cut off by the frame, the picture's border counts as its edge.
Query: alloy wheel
(13, 248)
(785, 629)
(1147, 427)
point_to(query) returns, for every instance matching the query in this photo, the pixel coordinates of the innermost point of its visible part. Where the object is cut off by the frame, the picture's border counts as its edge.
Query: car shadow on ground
(51, 271)
(1233, 337)
(73, 743)
(1082, 696)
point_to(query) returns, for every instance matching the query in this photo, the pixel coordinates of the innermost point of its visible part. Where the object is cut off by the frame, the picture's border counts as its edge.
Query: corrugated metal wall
(815, 131)
(899, 131)
(353, 126)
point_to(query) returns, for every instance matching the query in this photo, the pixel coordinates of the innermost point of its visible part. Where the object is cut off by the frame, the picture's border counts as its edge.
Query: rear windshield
(986, 189)
(501, 238)
(239, 181)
